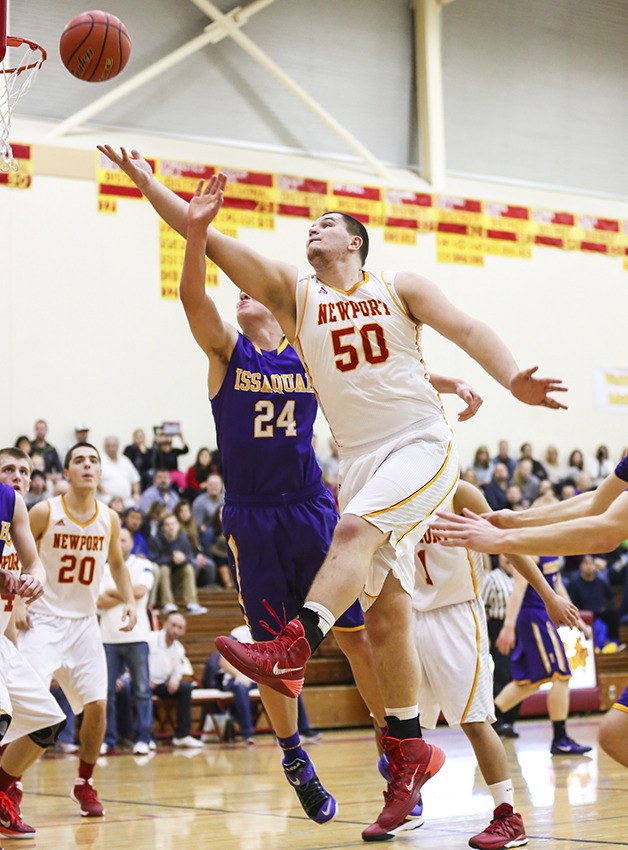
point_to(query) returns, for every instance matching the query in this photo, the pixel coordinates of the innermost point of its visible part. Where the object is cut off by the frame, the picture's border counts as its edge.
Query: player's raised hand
(129, 618)
(471, 398)
(207, 201)
(504, 518)
(531, 390)
(562, 612)
(506, 640)
(9, 582)
(30, 588)
(470, 530)
(134, 166)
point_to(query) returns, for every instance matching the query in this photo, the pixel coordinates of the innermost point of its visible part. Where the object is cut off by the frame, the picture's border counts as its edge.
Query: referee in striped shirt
(498, 585)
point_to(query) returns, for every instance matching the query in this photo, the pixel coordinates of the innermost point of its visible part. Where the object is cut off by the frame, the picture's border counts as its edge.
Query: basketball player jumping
(29, 710)
(59, 635)
(595, 521)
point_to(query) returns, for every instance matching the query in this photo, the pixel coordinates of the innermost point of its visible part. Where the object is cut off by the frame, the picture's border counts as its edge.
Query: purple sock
(292, 748)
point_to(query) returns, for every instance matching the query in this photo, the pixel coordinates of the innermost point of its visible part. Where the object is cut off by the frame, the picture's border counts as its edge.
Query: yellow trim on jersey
(559, 649)
(541, 647)
(393, 294)
(477, 665)
(75, 521)
(473, 579)
(348, 628)
(620, 707)
(234, 551)
(417, 492)
(436, 507)
(349, 291)
(297, 330)
(283, 345)
(284, 342)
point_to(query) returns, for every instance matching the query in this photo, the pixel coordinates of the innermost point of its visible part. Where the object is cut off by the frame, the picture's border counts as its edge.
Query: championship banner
(461, 250)
(362, 202)
(413, 210)
(301, 196)
(171, 252)
(611, 389)
(23, 177)
(182, 177)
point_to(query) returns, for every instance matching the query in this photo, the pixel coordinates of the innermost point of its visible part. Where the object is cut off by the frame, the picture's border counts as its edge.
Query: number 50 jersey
(363, 352)
(74, 557)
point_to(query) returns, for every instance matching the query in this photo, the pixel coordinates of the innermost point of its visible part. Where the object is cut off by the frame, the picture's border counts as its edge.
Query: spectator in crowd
(159, 491)
(133, 520)
(169, 666)
(600, 467)
(496, 489)
(469, 474)
(482, 466)
(496, 590)
(116, 503)
(119, 476)
(503, 456)
(166, 455)
(590, 592)
(527, 481)
(514, 497)
(218, 552)
(584, 482)
(537, 467)
(197, 474)
(546, 496)
(38, 489)
(127, 649)
(206, 573)
(23, 443)
(177, 567)
(141, 457)
(205, 506)
(41, 447)
(152, 522)
(81, 435)
(218, 673)
(575, 465)
(556, 472)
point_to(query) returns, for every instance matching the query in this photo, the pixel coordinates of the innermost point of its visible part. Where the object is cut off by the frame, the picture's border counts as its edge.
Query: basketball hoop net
(14, 83)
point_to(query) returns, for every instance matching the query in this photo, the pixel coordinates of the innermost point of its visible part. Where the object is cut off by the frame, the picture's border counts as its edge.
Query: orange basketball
(95, 46)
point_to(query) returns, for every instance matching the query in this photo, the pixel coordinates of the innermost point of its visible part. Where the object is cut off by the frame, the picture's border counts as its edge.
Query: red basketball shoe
(505, 830)
(11, 823)
(278, 663)
(412, 762)
(85, 795)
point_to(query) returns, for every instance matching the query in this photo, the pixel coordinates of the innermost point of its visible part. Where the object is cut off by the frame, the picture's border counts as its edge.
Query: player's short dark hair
(17, 454)
(68, 457)
(355, 228)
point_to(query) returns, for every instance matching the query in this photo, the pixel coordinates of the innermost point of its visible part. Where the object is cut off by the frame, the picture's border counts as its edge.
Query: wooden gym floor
(232, 797)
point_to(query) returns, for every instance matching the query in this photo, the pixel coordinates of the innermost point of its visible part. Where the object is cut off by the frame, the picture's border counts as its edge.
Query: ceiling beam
(429, 71)
(273, 68)
(212, 34)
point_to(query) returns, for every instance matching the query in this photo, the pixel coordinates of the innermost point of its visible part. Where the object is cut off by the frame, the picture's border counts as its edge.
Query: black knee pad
(5, 722)
(46, 737)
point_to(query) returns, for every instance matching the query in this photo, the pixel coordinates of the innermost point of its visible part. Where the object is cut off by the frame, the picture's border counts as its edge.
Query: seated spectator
(133, 520)
(482, 465)
(218, 552)
(177, 568)
(205, 506)
(53, 466)
(470, 475)
(537, 467)
(591, 593)
(159, 491)
(584, 483)
(118, 475)
(24, 444)
(116, 504)
(127, 649)
(495, 490)
(152, 522)
(600, 467)
(556, 472)
(197, 474)
(515, 498)
(503, 456)
(546, 496)
(169, 666)
(141, 457)
(38, 489)
(527, 481)
(206, 573)
(166, 455)
(575, 465)
(81, 435)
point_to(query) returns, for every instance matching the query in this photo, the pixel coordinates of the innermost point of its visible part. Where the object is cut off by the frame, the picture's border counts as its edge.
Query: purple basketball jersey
(7, 508)
(264, 414)
(550, 567)
(621, 470)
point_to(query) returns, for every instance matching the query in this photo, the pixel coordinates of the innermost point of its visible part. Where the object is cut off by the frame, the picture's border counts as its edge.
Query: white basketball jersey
(362, 351)
(9, 561)
(445, 576)
(74, 557)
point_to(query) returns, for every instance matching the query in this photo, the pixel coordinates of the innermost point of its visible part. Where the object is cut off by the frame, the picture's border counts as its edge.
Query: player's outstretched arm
(429, 305)
(31, 582)
(120, 575)
(473, 400)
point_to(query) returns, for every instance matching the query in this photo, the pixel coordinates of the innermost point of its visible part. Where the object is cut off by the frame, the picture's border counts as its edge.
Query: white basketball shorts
(456, 677)
(23, 695)
(397, 486)
(71, 651)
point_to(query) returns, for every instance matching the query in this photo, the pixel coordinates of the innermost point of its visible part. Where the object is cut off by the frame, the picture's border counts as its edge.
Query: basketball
(95, 46)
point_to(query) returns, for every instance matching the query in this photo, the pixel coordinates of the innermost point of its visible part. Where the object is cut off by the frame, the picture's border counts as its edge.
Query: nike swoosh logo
(327, 808)
(279, 671)
(5, 823)
(410, 784)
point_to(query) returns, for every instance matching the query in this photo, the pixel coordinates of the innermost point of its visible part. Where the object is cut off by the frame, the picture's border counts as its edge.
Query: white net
(18, 69)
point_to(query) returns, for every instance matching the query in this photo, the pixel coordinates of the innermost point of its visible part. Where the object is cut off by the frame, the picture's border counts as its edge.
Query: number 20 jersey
(362, 350)
(74, 557)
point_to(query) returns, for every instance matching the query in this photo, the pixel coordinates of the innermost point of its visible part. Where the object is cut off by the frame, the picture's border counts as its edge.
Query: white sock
(503, 792)
(409, 712)
(325, 618)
